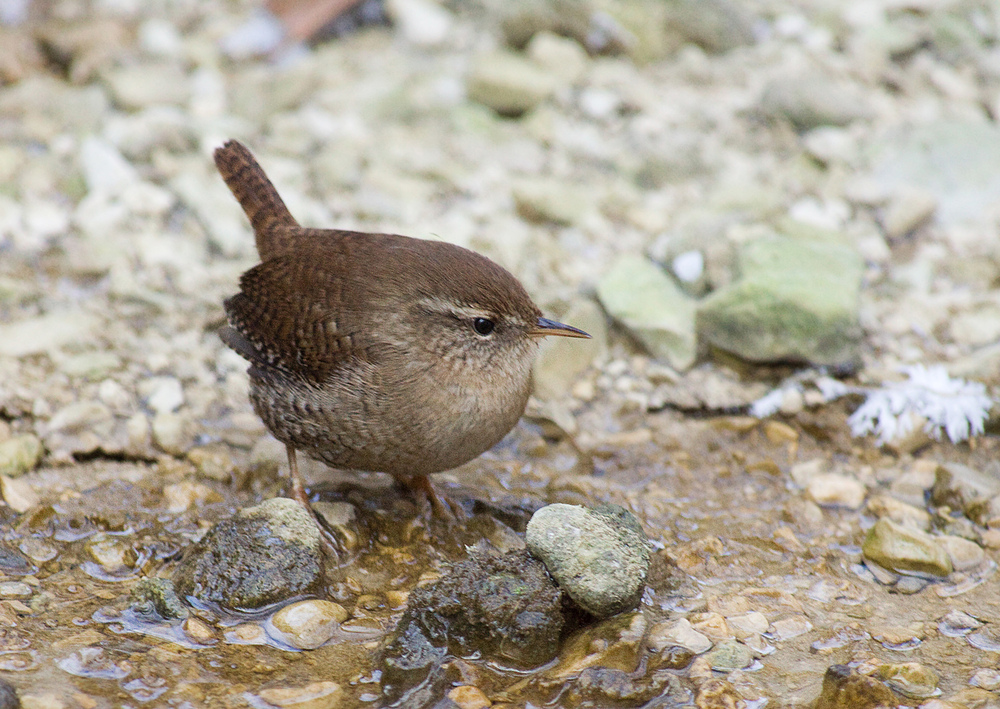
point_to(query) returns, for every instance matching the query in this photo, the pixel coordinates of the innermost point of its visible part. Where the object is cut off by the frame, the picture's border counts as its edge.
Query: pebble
(198, 631)
(162, 394)
(905, 550)
(729, 655)
(19, 495)
(307, 624)
(170, 433)
(747, 624)
(14, 589)
(599, 556)
(788, 628)
(182, 496)
(112, 553)
(899, 512)
(964, 554)
(508, 83)
(678, 633)
(987, 678)
(467, 697)
(810, 98)
(562, 57)
(422, 22)
(833, 490)
(907, 210)
(19, 455)
(317, 695)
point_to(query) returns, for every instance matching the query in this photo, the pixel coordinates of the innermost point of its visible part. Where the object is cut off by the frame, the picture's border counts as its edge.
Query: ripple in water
(94, 663)
(986, 639)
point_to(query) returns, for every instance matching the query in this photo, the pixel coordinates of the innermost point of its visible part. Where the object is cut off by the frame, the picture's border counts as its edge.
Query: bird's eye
(483, 326)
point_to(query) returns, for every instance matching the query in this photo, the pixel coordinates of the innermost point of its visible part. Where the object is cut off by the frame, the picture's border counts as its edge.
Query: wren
(376, 352)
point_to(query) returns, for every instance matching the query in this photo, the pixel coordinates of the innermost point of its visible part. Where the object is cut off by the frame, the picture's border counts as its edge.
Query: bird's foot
(439, 506)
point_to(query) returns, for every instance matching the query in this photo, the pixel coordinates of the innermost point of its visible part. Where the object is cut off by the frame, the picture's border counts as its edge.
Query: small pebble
(197, 631)
(987, 678)
(20, 454)
(678, 633)
(318, 695)
(307, 624)
(468, 697)
(729, 655)
(833, 490)
(788, 628)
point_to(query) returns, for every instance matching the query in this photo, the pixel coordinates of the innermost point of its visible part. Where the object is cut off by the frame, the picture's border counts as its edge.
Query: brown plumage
(376, 352)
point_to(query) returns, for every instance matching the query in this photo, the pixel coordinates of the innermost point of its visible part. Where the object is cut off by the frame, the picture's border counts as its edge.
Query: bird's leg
(328, 542)
(423, 488)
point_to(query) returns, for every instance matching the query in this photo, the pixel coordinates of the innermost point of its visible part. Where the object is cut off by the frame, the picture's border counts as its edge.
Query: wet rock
(558, 364)
(911, 679)
(341, 519)
(599, 557)
(13, 561)
(729, 655)
(114, 554)
(811, 98)
(678, 633)
(795, 299)
(508, 83)
(603, 686)
(845, 688)
(20, 454)
(307, 624)
(905, 550)
(504, 608)
(262, 555)
(185, 495)
(747, 624)
(467, 697)
(831, 489)
(157, 596)
(317, 695)
(642, 297)
(198, 631)
(964, 488)
(715, 25)
(791, 627)
(717, 694)
(615, 643)
(212, 462)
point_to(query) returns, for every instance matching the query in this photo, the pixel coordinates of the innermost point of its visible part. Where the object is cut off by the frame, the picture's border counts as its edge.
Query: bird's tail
(250, 185)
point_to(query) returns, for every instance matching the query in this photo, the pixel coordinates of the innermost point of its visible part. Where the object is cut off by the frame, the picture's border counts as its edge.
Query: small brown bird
(376, 352)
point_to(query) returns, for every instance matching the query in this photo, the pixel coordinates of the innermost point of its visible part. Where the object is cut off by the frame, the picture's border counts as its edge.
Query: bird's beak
(545, 327)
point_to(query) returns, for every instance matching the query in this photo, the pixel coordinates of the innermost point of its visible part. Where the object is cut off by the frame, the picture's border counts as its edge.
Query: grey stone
(599, 557)
(508, 83)
(795, 300)
(261, 555)
(905, 550)
(549, 200)
(812, 98)
(644, 299)
(966, 489)
(562, 57)
(715, 25)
